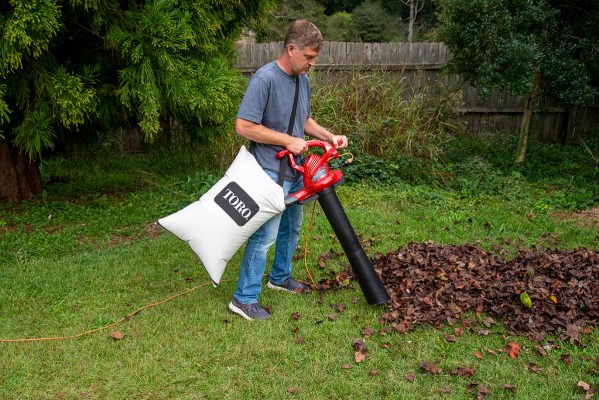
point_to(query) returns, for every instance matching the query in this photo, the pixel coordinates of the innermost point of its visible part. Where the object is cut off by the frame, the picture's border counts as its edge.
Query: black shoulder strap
(285, 159)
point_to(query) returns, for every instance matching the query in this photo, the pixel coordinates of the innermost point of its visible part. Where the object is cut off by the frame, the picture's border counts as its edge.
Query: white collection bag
(218, 224)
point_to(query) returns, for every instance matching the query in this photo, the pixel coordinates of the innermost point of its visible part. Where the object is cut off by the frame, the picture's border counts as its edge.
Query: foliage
(371, 19)
(70, 68)
(502, 44)
(368, 21)
(275, 28)
(340, 27)
(387, 116)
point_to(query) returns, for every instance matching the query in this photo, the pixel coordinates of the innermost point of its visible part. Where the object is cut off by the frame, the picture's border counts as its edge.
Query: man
(263, 117)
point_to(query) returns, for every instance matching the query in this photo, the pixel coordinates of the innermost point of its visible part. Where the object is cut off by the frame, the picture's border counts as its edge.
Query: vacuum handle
(329, 152)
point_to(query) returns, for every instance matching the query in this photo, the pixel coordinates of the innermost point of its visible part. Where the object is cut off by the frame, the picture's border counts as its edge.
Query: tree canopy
(71, 68)
(68, 66)
(542, 49)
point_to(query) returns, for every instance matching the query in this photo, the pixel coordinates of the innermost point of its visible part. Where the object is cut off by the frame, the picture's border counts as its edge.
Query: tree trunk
(411, 23)
(529, 109)
(20, 177)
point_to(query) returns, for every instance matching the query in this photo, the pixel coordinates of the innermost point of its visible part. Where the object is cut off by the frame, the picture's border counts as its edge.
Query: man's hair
(303, 33)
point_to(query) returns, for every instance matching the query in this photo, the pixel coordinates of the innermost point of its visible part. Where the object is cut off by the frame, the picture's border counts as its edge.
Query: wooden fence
(501, 111)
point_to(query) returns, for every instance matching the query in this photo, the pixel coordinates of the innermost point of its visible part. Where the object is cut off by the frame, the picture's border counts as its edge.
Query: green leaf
(525, 300)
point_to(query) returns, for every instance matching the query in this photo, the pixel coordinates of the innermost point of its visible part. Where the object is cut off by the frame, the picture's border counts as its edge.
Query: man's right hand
(296, 145)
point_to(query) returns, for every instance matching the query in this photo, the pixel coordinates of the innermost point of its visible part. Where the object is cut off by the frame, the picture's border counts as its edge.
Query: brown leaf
(116, 335)
(509, 387)
(513, 349)
(430, 367)
(339, 307)
(373, 372)
(541, 350)
(346, 366)
(534, 368)
(331, 317)
(299, 340)
(566, 358)
(358, 344)
(292, 390)
(587, 388)
(450, 338)
(483, 392)
(360, 356)
(445, 390)
(295, 316)
(367, 332)
(410, 376)
(478, 355)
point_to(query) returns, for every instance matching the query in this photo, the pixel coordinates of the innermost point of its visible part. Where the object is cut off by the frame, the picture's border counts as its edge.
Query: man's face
(302, 59)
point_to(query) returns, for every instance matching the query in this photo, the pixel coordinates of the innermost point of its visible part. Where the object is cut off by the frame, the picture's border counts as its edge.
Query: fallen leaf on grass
(361, 351)
(478, 355)
(295, 316)
(445, 390)
(481, 390)
(534, 368)
(367, 332)
(410, 376)
(509, 387)
(430, 367)
(566, 358)
(589, 391)
(339, 307)
(360, 356)
(292, 390)
(116, 335)
(346, 366)
(513, 349)
(450, 338)
(541, 350)
(373, 372)
(299, 340)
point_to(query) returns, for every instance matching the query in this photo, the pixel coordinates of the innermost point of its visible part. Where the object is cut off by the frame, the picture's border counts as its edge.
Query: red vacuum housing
(315, 172)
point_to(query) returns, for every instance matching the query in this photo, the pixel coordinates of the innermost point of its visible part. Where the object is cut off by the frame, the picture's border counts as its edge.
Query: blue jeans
(284, 229)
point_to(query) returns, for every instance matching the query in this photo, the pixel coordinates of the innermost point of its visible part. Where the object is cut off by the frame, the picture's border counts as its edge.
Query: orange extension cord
(126, 317)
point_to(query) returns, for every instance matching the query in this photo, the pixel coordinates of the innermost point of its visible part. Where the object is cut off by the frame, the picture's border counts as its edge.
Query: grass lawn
(86, 253)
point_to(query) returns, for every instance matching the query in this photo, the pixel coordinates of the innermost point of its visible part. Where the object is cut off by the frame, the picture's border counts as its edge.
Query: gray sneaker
(248, 311)
(290, 285)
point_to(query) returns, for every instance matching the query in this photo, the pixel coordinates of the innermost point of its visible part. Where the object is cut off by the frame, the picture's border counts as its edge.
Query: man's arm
(312, 128)
(261, 134)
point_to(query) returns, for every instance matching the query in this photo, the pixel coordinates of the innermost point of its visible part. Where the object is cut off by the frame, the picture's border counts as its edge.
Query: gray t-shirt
(268, 101)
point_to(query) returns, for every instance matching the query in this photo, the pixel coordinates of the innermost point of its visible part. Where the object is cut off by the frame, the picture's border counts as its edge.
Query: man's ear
(290, 48)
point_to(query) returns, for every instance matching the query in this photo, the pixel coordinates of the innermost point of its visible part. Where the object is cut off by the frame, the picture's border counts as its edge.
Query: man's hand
(296, 145)
(339, 141)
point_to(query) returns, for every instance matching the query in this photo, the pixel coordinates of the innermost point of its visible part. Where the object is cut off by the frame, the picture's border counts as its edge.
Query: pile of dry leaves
(534, 293)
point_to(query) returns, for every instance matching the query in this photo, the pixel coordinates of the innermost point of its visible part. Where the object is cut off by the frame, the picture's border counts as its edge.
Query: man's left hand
(339, 141)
